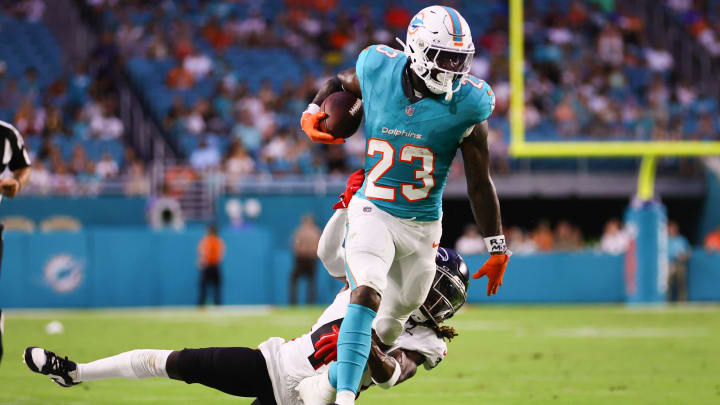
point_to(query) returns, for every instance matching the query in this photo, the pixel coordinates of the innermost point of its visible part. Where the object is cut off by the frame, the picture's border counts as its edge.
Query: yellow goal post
(519, 148)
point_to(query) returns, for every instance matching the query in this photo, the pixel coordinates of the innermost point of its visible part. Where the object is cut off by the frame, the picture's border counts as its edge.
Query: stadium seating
(28, 45)
(254, 65)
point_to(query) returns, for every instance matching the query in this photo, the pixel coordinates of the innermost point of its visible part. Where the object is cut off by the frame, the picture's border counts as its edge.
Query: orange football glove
(310, 123)
(494, 268)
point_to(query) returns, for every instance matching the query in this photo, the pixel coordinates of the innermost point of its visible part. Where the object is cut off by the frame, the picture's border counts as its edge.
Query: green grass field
(504, 355)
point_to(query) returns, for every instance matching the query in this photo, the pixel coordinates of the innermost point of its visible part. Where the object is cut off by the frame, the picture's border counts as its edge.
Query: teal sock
(353, 347)
(332, 374)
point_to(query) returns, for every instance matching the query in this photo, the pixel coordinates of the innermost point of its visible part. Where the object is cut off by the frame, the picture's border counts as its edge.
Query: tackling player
(14, 157)
(420, 106)
(281, 372)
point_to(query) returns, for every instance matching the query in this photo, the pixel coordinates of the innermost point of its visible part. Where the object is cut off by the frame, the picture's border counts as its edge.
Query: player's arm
(346, 80)
(388, 370)
(12, 186)
(485, 204)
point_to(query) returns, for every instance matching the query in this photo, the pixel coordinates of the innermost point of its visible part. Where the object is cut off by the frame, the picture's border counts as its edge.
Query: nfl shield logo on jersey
(409, 111)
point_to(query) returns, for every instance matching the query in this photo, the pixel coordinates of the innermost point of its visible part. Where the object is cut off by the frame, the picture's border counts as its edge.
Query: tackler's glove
(354, 182)
(326, 346)
(310, 122)
(495, 266)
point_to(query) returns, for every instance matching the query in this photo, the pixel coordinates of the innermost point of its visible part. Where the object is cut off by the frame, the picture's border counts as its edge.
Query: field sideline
(507, 355)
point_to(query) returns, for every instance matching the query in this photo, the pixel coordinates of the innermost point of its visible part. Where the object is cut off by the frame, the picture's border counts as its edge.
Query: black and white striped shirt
(13, 152)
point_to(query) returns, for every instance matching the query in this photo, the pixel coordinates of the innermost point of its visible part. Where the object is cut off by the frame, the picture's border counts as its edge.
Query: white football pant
(393, 256)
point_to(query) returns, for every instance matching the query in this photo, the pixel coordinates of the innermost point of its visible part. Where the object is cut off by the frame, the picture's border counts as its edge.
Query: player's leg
(234, 370)
(409, 282)
(410, 277)
(238, 371)
(369, 250)
(135, 364)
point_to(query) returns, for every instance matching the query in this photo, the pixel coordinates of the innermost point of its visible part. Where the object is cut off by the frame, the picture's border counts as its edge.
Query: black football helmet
(448, 291)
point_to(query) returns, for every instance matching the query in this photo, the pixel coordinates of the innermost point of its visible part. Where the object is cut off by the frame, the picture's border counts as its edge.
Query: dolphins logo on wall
(63, 273)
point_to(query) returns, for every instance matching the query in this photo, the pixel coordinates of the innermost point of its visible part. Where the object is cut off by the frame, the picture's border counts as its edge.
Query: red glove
(354, 182)
(310, 123)
(494, 268)
(326, 346)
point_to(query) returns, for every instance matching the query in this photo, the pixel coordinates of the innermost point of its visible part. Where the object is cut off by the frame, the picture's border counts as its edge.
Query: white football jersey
(290, 362)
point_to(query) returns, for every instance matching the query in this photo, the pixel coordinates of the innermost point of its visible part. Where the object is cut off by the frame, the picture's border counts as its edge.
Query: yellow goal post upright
(649, 151)
(646, 259)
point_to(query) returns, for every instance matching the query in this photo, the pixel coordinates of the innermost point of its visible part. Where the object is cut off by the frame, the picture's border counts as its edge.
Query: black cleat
(61, 370)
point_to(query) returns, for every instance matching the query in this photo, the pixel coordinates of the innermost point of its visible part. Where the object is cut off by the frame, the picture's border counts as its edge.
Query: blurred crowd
(591, 72)
(566, 237)
(702, 19)
(595, 73)
(74, 112)
(69, 120)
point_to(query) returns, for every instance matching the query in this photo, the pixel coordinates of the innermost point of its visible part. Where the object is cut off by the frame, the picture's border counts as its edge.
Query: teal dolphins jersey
(410, 146)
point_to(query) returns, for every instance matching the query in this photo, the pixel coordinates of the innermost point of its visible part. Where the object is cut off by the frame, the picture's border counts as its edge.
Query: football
(344, 114)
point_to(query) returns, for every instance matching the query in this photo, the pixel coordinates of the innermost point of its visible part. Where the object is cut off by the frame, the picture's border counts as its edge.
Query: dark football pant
(238, 371)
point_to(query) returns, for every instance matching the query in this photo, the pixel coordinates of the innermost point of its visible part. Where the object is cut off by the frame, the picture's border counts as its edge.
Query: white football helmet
(440, 48)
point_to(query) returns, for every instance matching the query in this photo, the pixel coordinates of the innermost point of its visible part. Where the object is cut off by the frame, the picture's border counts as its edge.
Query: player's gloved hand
(310, 122)
(494, 269)
(354, 182)
(326, 346)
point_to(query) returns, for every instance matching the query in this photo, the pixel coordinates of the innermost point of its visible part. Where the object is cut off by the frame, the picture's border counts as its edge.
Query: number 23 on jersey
(408, 155)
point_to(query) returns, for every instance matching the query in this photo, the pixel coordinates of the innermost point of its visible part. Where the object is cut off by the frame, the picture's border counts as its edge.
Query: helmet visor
(450, 61)
(446, 296)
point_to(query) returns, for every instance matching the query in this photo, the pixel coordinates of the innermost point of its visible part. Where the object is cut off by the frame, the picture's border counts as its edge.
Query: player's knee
(388, 330)
(365, 296)
(172, 366)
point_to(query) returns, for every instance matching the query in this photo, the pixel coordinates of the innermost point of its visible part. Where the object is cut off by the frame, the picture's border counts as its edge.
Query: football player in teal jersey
(420, 106)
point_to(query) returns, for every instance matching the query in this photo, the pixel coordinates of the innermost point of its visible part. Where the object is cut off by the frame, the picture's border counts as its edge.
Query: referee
(14, 156)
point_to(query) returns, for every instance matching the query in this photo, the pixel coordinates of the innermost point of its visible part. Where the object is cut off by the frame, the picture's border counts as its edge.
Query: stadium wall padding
(137, 267)
(554, 277)
(710, 218)
(104, 210)
(277, 209)
(704, 276)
